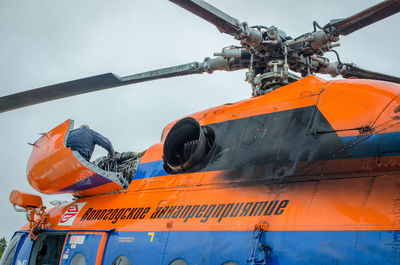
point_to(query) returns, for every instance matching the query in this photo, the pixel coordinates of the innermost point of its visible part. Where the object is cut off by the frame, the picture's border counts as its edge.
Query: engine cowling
(53, 168)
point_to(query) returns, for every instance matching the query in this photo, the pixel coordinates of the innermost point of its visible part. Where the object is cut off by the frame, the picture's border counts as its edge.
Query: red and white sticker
(72, 212)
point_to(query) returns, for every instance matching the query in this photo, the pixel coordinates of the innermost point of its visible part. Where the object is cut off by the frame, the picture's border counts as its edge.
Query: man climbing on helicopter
(83, 140)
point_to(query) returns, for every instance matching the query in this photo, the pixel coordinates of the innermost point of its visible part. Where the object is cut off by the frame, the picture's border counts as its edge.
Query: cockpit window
(9, 253)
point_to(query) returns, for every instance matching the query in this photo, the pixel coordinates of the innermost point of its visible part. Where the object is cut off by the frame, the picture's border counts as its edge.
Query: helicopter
(273, 248)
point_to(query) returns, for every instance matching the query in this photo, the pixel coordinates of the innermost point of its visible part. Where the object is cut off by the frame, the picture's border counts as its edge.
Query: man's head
(85, 126)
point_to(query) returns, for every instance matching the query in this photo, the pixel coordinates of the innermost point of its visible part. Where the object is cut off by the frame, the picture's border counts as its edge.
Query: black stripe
(272, 145)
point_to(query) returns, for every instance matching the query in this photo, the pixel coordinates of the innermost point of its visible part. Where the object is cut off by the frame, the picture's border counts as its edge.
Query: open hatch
(53, 168)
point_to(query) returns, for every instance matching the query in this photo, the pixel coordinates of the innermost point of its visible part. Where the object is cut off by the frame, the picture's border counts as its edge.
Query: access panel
(83, 248)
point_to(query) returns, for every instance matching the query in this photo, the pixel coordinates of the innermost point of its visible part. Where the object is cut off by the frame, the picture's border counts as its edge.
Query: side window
(121, 260)
(179, 262)
(9, 253)
(78, 259)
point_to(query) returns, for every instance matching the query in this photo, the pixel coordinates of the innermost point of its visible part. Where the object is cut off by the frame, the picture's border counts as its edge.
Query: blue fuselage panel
(288, 247)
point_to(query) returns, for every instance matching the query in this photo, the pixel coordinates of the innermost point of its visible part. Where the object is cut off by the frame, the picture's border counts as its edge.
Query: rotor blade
(224, 22)
(365, 17)
(91, 84)
(352, 70)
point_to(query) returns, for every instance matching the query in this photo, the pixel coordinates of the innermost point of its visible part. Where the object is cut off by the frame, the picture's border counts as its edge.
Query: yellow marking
(151, 234)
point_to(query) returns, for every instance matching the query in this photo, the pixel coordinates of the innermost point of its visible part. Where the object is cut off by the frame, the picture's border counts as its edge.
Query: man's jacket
(83, 141)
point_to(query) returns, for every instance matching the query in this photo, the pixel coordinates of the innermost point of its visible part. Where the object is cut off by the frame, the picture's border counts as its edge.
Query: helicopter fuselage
(306, 174)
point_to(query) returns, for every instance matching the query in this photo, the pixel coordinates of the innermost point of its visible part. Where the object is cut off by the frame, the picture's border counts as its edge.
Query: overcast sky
(51, 41)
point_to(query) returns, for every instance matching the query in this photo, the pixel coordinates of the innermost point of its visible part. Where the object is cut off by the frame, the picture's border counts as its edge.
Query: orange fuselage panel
(53, 168)
(360, 109)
